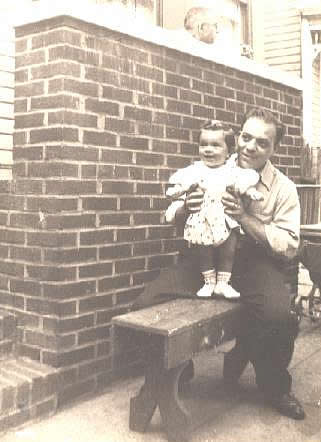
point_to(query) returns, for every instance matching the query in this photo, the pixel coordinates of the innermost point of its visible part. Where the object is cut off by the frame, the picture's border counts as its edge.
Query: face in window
(207, 32)
(256, 143)
(213, 150)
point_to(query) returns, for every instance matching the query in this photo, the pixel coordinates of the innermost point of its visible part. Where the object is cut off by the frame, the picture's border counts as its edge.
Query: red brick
(25, 287)
(21, 45)
(135, 203)
(27, 186)
(30, 89)
(55, 101)
(99, 138)
(73, 153)
(30, 58)
(114, 219)
(72, 118)
(55, 37)
(99, 237)
(70, 255)
(94, 303)
(178, 107)
(99, 203)
(25, 254)
(102, 106)
(28, 153)
(202, 86)
(54, 134)
(69, 290)
(51, 239)
(151, 101)
(88, 171)
(136, 113)
(47, 273)
(113, 283)
(48, 204)
(213, 77)
(130, 265)
(64, 222)
(75, 54)
(177, 134)
(114, 252)
(102, 76)
(67, 358)
(264, 102)
(54, 69)
(134, 84)
(225, 116)
(12, 268)
(93, 334)
(117, 187)
(95, 270)
(117, 157)
(164, 90)
(167, 119)
(11, 202)
(118, 64)
(48, 170)
(134, 234)
(20, 106)
(178, 80)
(116, 94)
(119, 125)
(21, 76)
(11, 236)
(71, 187)
(164, 63)
(75, 324)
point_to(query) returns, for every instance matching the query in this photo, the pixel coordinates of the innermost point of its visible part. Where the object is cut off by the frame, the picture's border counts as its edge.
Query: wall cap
(94, 14)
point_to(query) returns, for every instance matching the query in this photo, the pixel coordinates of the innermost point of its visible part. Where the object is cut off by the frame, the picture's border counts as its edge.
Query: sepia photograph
(141, 298)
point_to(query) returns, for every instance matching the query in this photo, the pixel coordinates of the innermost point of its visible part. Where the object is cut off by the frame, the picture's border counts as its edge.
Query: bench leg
(175, 417)
(143, 406)
(160, 389)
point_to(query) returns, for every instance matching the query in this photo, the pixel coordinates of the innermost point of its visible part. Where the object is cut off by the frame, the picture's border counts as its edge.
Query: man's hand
(194, 200)
(233, 204)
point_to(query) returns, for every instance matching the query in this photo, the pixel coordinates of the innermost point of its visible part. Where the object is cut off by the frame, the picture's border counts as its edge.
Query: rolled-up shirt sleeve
(283, 232)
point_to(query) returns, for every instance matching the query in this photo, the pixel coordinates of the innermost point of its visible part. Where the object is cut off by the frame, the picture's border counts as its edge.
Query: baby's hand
(254, 194)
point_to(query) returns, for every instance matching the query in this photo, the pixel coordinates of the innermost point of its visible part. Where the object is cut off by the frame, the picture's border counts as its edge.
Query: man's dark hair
(228, 132)
(267, 117)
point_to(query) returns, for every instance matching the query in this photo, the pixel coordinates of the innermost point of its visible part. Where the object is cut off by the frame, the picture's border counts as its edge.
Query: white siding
(282, 35)
(316, 119)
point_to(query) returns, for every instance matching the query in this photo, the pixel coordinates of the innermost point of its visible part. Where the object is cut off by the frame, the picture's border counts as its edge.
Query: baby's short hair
(228, 132)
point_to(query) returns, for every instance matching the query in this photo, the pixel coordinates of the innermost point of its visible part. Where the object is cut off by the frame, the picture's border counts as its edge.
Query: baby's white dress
(211, 226)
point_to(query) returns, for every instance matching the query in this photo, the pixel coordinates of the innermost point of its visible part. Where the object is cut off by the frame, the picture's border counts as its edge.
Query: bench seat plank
(174, 317)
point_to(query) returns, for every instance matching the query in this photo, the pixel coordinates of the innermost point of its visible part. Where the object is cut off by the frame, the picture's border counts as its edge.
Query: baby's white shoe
(225, 289)
(207, 290)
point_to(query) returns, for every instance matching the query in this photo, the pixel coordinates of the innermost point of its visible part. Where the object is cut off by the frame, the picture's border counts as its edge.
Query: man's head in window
(202, 24)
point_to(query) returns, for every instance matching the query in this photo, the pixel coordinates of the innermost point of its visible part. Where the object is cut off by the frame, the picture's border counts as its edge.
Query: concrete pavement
(239, 417)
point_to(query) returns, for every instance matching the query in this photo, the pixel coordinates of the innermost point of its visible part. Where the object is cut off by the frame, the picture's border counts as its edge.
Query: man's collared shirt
(279, 211)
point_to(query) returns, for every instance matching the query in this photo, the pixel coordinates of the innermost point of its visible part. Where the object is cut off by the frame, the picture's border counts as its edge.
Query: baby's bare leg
(226, 254)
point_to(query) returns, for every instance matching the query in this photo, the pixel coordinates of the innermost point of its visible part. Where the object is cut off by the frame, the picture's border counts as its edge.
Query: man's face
(213, 150)
(207, 32)
(256, 143)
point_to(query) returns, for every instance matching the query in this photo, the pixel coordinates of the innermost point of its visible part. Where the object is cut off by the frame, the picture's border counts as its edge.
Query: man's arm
(281, 235)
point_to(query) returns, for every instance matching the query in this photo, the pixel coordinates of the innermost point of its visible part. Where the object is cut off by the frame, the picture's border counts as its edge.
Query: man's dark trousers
(268, 328)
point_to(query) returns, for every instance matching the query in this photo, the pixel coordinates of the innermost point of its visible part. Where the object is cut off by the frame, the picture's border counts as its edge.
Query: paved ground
(239, 417)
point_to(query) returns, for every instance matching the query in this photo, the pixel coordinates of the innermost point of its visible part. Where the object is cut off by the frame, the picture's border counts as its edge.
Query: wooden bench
(167, 336)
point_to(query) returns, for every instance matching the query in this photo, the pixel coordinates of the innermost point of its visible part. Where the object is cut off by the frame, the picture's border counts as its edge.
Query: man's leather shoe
(289, 406)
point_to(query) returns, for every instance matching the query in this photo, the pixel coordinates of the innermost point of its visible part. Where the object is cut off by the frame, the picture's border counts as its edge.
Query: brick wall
(102, 120)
